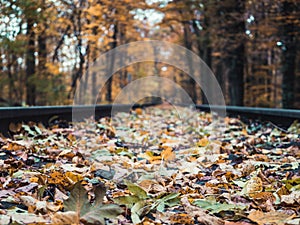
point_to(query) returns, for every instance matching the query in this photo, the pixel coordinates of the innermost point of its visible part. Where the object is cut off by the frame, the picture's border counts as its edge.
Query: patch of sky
(250, 19)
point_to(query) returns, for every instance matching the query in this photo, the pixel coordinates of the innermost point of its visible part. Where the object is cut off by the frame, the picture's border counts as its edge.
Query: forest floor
(160, 165)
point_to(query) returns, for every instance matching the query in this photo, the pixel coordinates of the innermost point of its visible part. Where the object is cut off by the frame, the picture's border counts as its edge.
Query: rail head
(283, 117)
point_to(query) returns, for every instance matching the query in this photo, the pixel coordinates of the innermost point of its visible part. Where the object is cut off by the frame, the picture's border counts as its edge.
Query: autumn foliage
(47, 47)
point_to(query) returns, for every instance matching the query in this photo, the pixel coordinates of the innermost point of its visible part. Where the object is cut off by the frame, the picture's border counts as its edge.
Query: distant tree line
(47, 47)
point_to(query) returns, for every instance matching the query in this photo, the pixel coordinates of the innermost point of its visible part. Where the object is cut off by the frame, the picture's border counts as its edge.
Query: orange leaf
(168, 154)
(182, 218)
(203, 142)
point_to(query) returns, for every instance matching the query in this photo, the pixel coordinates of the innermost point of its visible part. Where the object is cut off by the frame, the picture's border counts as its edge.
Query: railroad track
(280, 117)
(48, 114)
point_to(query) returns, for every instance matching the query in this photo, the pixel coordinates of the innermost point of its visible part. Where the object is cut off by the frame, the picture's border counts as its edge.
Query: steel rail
(280, 117)
(48, 114)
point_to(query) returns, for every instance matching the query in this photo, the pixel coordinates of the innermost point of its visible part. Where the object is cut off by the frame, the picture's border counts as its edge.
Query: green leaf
(173, 202)
(136, 190)
(109, 211)
(135, 219)
(216, 207)
(204, 203)
(138, 210)
(170, 197)
(96, 214)
(239, 183)
(168, 200)
(28, 130)
(99, 191)
(126, 200)
(124, 152)
(161, 207)
(38, 130)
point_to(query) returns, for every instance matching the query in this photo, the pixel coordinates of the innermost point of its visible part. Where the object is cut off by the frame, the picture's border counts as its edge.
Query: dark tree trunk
(30, 65)
(84, 92)
(12, 93)
(77, 23)
(289, 55)
(204, 48)
(111, 62)
(122, 40)
(234, 52)
(190, 85)
(235, 64)
(42, 58)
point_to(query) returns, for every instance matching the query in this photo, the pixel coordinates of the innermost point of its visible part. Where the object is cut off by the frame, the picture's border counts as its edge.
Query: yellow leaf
(203, 142)
(168, 154)
(53, 68)
(244, 132)
(57, 178)
(73, 177)
(34, 179)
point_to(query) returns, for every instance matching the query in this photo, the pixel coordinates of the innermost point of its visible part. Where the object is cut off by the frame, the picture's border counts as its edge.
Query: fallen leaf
(274, 217)
(168, 154)
(253, 186)
(200, 214)
(203, 142)
(65, 218)
(90, 213)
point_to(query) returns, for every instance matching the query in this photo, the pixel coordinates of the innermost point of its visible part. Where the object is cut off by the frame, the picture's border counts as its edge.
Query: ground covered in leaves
(152, 166)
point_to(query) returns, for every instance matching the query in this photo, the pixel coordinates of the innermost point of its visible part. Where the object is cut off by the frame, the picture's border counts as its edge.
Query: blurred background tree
(48, 46)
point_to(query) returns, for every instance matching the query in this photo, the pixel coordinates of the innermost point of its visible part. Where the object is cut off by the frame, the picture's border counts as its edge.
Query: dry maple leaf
(79, 209)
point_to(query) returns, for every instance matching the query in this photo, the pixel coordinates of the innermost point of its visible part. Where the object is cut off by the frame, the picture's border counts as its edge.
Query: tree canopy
(48, 46)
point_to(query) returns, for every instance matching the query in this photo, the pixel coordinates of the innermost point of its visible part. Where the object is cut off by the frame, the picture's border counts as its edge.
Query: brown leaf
(236, 223)
(274, 217)
(181, 218)
(253, 186)
(65, 218)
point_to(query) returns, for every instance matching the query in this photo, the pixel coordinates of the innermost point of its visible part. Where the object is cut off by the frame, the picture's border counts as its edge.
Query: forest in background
(252, 47)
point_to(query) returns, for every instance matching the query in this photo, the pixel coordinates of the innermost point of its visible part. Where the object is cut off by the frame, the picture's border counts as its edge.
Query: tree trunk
(235, 50)
(235, 63)
(288, 58)
(190, 85)
(204, 48)
(77, 24)
(111, 62)
(30, 65)
(42, 73)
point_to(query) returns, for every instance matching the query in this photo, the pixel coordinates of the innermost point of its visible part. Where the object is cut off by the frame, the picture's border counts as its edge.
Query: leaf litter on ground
(159, 165)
